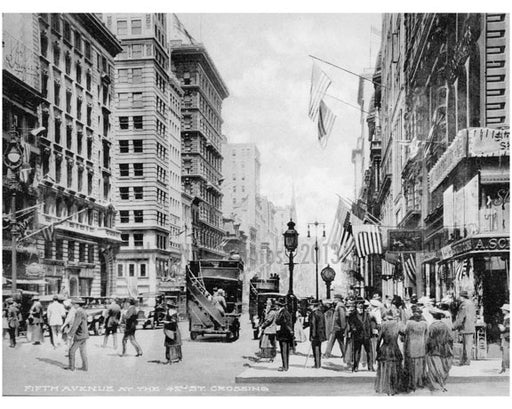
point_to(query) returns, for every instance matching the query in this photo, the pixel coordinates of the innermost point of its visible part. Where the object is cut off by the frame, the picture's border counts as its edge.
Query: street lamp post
(291, 238)
(316, 224)
(13, 159)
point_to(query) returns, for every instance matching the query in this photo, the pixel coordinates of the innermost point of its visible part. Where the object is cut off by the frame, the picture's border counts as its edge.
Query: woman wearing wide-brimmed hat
(172, 333)
(389, 357)
(415, 337)
(439, 351)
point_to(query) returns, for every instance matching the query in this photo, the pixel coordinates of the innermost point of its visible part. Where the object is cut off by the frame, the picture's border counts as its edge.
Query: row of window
(138, 216)
(138, 192)
(76, 251)
(124, 169)
(131, 270)
(137, 146)
(130, 99)
(132, 75)
(138, 122)
(161, 218)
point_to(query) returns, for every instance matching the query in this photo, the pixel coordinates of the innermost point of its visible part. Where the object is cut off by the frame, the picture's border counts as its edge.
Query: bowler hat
(281, 302)
(338, 296)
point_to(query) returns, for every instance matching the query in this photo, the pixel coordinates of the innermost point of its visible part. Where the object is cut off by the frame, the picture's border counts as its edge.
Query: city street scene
(256, 204)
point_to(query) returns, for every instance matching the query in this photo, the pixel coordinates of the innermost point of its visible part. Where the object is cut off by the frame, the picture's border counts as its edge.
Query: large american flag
(325, 122)
(319, 84)
(347, 239)
(409, 267)
(368, 239)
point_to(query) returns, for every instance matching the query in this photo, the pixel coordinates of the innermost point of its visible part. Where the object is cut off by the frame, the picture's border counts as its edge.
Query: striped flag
(48, 232)
(461, 269)
(326, 121)
(368, 239)
(319, 84)
(409, 267)
(347, 239)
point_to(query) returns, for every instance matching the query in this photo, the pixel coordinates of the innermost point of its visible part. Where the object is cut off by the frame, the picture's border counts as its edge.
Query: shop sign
(462, 247)
(446, 252)
(86, 273)
(488, 142)
(405, 240)
(493, 243)
(448, 161)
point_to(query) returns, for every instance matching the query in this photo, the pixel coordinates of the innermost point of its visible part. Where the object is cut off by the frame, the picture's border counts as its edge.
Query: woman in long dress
(172, 333)
(389, 357)
(415, 337)
(268, 336)
(35, 320)
(439, 351)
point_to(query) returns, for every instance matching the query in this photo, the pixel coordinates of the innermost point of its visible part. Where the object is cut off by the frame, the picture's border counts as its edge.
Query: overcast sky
(263, 58)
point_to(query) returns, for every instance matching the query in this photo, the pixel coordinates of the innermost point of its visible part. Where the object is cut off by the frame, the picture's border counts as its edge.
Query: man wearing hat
(68, 322)
(339, 321)
(317, 333)
(112, 322)
(465, 324)
(284, 333)
(56, 314)
(80, 334)
(505, 338)
(130, 327)
(360, 328)
(13, 320)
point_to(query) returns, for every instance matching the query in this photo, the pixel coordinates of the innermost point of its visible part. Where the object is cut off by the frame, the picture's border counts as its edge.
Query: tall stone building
(241, 190)
(147, 154)
(70, 165)
(201, 141)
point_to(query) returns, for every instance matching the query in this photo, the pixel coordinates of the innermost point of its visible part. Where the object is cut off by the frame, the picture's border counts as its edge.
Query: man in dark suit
(284, 333)
(317, 332)
(338, 328)
(360, 328)
(465, 324)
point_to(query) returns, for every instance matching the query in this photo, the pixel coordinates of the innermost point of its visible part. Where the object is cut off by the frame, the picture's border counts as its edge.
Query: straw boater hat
(464, 294)
(437, 313)
(375, 303)
(505, 307)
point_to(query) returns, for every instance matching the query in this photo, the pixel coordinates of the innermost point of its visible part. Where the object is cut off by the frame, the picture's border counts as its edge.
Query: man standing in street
(56, 314)
(465, 324)
(79, 333)
(284, 333)
(13, 320)
(339, 320)
(317, 332)
(360, 328)
(68, 323)
(130, 328)
(112, 322)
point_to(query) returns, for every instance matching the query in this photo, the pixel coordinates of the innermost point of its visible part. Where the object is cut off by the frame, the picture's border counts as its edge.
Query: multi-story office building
(70, 155)
(241, 189)
(147, 152)
(201, 138)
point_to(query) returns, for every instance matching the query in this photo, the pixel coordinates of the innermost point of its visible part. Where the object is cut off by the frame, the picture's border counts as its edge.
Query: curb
(358, 379)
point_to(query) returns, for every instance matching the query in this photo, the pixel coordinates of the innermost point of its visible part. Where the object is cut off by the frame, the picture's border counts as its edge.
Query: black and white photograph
(227, 203)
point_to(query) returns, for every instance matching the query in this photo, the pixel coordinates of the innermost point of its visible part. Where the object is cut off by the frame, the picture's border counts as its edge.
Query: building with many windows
(201, 141)
(147, 154)
(69, 156)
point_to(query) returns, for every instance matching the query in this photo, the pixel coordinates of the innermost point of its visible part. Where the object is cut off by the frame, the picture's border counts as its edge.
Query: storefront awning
(29, 282)
(495, 175)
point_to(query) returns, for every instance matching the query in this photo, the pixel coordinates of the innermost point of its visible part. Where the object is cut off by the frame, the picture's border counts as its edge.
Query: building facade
(441, 107)
(201, 141)
(147, 155)
(71, 153)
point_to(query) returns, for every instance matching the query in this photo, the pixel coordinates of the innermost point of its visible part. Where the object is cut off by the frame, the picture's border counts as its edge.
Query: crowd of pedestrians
(68, 324)
(409, 342)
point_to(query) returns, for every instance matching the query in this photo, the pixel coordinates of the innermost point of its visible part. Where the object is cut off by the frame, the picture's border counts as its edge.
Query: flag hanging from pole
(325, 122)
(347, 239)
(368, 239)
(409, 267)
(48, 232)
(461, 269)
(319, 84)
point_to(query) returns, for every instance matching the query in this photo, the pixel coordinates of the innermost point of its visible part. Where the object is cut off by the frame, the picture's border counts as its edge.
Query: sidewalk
(333, 369)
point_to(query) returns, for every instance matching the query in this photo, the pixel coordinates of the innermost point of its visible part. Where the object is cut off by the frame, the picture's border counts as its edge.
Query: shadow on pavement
(53, 362)
(158, 361)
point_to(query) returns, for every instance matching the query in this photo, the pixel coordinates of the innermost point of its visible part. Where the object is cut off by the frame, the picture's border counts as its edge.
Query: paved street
(208, 368)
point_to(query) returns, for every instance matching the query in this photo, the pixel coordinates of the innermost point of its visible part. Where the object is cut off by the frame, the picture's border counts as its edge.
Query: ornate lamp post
(291, 239)
(316, 224)
(13, 159)
(328, 275)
